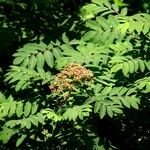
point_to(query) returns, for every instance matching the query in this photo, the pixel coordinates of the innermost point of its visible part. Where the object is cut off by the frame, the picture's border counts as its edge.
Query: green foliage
(26, 114)
(77, 111)
(34, 55)
(114, 46)
(25, 77)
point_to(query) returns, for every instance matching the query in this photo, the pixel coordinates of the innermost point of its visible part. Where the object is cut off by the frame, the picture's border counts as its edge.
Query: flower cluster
(70, 77)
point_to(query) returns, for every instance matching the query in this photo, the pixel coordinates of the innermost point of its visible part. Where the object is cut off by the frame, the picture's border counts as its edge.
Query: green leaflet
(126, 103)
(109, 111)
(20, 140)
(134, 104)
(27, 109)
(131, 66)
(34, 108)
(124, 12)
(93, 25)
(18, 60)
(97, 88)
(49, 58)
(67, 47)
(25, 62)
(40, 60)
(116, 110)
(97, 107)
(65, 38)
(136, 66)
(141, 65)
(106, 90)
(57, 52)
(12, 109)
(88, 35)
(125, 68)
(32, 62)
(102, 111)
(19, 110)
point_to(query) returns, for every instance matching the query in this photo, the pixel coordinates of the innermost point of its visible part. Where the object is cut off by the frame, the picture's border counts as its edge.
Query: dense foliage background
(74, 74)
